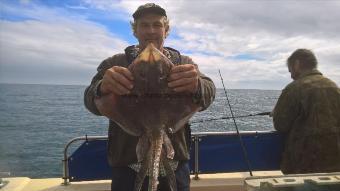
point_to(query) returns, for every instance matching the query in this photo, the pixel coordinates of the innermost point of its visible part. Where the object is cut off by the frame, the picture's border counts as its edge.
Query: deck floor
(206, 182)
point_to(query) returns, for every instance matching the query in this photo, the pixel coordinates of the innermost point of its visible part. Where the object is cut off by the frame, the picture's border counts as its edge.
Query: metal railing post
(196, 165)
(65, 171)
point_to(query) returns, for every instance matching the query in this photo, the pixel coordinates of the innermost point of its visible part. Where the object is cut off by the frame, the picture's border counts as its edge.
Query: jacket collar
(309, 73)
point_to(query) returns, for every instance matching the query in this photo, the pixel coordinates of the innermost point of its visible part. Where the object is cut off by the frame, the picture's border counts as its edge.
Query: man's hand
(118, 80)
(184, 78)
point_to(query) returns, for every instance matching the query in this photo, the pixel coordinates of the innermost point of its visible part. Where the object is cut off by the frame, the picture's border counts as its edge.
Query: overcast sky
(63, 42)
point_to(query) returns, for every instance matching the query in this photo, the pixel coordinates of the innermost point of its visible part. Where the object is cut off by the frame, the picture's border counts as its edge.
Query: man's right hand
(117, 80)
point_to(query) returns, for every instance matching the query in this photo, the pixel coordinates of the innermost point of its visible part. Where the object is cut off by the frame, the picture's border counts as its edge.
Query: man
(308, 112)
(150, 25)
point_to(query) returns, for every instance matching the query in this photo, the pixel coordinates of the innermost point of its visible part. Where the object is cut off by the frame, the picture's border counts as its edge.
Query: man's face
(151, 28)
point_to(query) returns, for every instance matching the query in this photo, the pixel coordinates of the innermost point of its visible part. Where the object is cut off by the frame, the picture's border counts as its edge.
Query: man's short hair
(305, 57)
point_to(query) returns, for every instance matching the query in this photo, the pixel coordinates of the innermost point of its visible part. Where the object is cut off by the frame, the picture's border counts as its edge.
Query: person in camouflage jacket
(308, 112)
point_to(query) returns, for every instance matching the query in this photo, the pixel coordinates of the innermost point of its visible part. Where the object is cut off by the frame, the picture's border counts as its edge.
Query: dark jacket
(308, 111)
(122, 146)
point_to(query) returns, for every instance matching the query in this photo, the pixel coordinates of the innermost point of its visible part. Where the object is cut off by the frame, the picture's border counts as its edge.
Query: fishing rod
(241, 116)
(245, 154)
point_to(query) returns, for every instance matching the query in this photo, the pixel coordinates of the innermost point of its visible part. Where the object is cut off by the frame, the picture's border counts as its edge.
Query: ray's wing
(120, 110)
(179, 108)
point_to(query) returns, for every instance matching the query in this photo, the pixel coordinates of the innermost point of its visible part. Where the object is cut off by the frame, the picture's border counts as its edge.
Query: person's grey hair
(165, 21)
(305, 57)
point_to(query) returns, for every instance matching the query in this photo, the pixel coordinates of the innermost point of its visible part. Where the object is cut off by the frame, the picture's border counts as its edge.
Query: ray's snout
(149, 55)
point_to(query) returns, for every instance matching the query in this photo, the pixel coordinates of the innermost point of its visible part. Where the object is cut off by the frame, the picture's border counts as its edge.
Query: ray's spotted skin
(151, 111)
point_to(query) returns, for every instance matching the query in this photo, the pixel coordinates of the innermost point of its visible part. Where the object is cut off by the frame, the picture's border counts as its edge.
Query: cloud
(216, 34)
(52, 45)
(249, 41)
(285, 18)
(269, 30)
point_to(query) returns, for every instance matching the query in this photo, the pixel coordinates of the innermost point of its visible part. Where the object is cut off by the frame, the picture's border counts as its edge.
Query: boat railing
(66, 176)
(211, 152)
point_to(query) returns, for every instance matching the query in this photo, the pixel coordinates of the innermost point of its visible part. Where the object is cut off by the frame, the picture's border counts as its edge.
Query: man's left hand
(184, 78)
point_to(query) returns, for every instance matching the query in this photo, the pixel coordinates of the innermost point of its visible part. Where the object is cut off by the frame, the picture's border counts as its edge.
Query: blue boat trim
(211, 152)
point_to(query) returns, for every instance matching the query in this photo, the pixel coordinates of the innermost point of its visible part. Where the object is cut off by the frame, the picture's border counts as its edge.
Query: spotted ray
(151, 112)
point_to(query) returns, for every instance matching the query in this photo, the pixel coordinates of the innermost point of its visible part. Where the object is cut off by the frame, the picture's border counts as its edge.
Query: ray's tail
(156, 151)
(157, 148)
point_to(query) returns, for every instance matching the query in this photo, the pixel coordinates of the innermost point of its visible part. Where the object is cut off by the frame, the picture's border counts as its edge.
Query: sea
(36, 122)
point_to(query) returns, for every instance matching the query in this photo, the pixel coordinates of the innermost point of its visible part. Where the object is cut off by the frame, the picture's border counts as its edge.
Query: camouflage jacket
(308, 111)
(122, 146)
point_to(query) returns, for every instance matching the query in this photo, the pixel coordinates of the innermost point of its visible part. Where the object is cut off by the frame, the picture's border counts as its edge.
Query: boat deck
(206, 182)
(262, 180)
